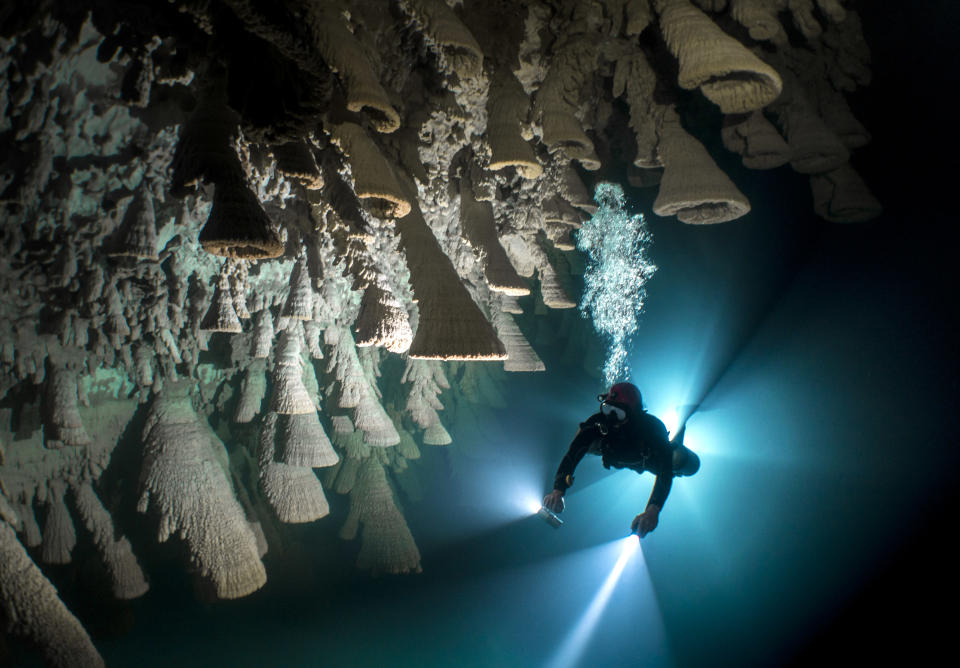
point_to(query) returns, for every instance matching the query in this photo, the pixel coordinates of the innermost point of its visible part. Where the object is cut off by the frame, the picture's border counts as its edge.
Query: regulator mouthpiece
(550, 518)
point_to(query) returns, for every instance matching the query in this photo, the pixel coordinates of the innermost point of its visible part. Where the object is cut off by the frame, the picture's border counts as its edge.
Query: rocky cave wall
(275, 233)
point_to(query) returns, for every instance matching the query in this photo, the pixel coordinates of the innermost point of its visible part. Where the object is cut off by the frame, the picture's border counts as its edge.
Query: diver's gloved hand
(554, 501)
(646, 521)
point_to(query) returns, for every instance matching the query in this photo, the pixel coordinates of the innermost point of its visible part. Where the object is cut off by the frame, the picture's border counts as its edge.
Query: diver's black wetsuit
(641, 444)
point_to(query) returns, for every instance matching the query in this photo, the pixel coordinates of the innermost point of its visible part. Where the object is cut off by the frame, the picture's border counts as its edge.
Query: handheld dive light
(550, 518)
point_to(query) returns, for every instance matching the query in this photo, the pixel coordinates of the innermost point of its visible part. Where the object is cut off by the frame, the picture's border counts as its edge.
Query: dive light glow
(671, 421)
(533, 505)
(573, 647)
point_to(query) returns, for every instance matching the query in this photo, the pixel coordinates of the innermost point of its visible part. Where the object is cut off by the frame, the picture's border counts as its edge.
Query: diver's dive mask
(613, 412)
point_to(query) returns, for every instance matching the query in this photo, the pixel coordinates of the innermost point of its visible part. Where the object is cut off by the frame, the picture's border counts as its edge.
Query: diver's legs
(685, 461)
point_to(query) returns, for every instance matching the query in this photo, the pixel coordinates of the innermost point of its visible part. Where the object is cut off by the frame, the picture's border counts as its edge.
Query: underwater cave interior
(302, 302)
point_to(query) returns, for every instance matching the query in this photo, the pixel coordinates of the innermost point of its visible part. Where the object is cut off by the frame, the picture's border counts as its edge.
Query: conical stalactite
(520, 355)
(386, 544)
(446, 35)
(59, 534)
(759, 17)
(724, 70)
(126, 576)
(552, 292)
(237, 273)
(205, 150)
(570, 187)
(290, 396)
(30, 529)
(436, 434)
(693, 188)
(253, 389)
(369, 416)
(353, 452)
(299, 303)
(755, 139)
(294, 492)
(345, 364)
(373, 177)
(33, 609)
(65, 425)
(344, 55)
(263, 332)
(139, 229)
(339, 199)
(814, 149)
(238, 227)
(312, 335)
(407, 447)
(841, 196)
(635, 80)
(557, 101)
(479, 228)
(221, 316)
(559, 236)
(450, 325)
(116, 326)
(383, 321)
(833, 108)
(303, 442)
(426, 380)
(358, 392)
(296, 161)
(848, 53)
(183, 481)
(507, 107)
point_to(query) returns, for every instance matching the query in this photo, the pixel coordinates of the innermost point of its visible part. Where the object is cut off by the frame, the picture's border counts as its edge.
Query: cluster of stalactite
(238, 213)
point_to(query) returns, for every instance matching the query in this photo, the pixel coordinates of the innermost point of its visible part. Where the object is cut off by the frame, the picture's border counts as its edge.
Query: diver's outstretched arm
(564, 478)
(578, 448)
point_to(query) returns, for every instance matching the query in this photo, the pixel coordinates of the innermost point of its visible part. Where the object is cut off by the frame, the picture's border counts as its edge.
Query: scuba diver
(627, 437)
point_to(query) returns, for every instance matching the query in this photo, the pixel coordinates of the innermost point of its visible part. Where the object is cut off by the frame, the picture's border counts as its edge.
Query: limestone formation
(183, 483)
(693, 188)
(115, 550)
(293, 491)
(290, 396)
(723, 69)
(344, 55)
(33, 609)
(841, 196)
(386, 545)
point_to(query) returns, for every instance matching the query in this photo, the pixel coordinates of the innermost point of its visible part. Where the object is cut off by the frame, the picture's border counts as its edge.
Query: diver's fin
(678, 439)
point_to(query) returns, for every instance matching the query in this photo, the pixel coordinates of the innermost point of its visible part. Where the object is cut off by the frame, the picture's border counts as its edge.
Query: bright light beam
(572, 648)
(671, 420)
